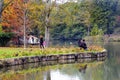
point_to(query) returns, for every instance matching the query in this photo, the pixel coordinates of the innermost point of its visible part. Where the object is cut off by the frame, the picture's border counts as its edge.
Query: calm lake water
(94, 70)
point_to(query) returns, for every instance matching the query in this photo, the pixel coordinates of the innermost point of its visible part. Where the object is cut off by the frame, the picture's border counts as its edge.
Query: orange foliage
(13, 16)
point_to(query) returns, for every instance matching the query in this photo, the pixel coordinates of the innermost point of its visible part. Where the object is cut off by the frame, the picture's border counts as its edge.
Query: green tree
(86, 15)
(69, 22)
(103, 14)
(41, 15)
(5, 38)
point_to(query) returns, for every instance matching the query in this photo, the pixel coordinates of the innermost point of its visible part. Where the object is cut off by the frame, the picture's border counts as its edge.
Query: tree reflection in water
(83, 68)
(38, 72)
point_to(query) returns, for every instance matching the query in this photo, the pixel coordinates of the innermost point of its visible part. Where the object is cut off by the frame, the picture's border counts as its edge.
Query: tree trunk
(24, 26)
(88, 31)
(47, 36)
(47, 20)
(24, 23)
(88, 35)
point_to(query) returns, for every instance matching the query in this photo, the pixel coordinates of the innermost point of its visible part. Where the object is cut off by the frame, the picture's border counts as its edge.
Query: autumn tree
(15, 18)
(4, 37)
(1, 8)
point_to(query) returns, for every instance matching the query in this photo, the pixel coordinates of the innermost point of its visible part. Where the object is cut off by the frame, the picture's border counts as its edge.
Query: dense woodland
(69, 20)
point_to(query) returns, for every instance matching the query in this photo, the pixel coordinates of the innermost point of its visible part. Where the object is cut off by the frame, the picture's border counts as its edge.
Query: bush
(5, 38)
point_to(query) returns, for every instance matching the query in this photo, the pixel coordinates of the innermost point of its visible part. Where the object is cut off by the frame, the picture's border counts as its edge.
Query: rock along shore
(61, 58)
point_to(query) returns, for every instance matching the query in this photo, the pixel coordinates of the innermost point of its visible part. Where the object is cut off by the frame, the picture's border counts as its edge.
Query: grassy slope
(6, 52)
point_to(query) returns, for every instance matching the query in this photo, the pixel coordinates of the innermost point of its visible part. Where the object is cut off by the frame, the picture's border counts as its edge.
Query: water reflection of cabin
(33, 40)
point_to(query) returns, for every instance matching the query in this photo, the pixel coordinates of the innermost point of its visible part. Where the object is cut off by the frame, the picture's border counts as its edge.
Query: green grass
(7, 52)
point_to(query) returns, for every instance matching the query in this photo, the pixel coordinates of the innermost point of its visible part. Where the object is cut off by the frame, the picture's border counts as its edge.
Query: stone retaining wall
(59, 58)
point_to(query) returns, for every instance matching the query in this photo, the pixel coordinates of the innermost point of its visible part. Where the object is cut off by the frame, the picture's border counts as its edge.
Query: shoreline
(60, 58)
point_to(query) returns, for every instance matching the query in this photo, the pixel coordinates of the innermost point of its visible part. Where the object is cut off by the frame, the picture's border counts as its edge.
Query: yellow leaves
(36, 12)
(36, 7)
(95, 48)
(6, 1)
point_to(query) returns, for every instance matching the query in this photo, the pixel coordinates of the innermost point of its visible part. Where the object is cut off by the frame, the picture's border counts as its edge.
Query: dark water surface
(88, 70)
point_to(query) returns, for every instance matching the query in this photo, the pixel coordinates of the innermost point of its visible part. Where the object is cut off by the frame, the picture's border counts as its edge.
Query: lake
(109, 69)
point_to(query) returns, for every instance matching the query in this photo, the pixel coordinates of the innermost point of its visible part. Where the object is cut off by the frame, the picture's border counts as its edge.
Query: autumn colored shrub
(95, 48)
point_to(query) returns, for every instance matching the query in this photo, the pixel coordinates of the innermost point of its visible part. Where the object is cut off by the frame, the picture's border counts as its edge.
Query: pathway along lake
(93, 70)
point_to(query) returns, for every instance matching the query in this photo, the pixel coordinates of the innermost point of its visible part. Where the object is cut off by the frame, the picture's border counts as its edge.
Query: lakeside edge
(45, 58)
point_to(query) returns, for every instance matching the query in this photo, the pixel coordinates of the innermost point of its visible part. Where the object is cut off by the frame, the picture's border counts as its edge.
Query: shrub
(5, 38)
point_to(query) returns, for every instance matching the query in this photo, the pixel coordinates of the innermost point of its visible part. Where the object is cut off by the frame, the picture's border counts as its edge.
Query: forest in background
(69, 20)
(89, 17)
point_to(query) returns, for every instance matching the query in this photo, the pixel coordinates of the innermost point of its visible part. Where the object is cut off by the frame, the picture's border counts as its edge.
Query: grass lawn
(7, 52)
